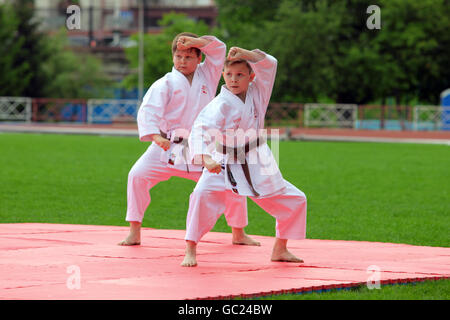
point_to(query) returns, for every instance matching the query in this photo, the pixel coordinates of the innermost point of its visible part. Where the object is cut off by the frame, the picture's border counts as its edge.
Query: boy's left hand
(236, 53)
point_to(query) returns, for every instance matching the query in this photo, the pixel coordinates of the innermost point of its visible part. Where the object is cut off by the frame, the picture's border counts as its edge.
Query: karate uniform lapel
(192, 91)
(231, 98)
(174, 157)
(249, 118)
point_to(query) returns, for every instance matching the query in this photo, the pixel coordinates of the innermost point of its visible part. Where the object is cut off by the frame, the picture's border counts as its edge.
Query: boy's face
(237, 78)
(186, 61)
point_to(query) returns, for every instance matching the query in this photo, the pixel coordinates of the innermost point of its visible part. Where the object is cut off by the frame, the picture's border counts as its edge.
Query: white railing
(430, 117)
(331, 115)
(315, 114)
(15, 108)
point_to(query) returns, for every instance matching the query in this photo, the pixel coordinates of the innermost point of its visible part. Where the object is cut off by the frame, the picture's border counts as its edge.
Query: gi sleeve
(212, 67)
(208, 129)
(151, 110)
(265, 71)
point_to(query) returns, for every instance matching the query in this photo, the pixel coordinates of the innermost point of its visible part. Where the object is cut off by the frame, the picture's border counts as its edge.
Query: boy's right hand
(236, 53)
(162, 142)
(211, 165)
(186, 42)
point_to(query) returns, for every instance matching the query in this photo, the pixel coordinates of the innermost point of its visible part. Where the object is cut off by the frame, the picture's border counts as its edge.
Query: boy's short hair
(231, 62)
(187, 34)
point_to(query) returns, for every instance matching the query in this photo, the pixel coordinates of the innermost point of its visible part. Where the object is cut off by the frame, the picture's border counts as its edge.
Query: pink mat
(53, 261)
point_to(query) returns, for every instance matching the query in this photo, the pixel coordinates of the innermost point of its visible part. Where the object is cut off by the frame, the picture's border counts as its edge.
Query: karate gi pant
(149, 170)
(209, 197)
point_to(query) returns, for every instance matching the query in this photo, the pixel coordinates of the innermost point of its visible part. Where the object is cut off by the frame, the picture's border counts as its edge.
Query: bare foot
(285, 256)
(130, 241)
(281, 253)
(134, 237)
(241, 238)
(190, 258)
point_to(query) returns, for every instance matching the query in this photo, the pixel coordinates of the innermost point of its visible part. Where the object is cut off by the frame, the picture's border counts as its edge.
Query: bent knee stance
(138, 196)
(204, 210)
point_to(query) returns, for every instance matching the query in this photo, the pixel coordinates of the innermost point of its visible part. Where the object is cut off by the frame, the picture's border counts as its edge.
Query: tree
(20, 70)
(357, 65)
(73, 75)
(14, 78)
(300, 34)
(240, 21)
(414, 44)
(326, 52)
(302, 39)
(34, 64)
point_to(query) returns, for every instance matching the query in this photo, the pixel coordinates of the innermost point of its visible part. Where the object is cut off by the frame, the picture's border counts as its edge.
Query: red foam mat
(54, 261)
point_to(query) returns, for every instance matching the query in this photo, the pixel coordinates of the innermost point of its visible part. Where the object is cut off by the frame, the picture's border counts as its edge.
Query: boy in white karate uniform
(165, 117)
(240, 166)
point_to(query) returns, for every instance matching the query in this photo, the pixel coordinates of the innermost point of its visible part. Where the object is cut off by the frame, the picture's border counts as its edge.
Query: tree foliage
(20, 70)
(73, 75)
(326, 52)
(34, 64)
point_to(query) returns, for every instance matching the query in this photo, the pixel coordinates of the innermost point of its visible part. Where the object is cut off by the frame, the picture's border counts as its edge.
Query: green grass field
(356, 191)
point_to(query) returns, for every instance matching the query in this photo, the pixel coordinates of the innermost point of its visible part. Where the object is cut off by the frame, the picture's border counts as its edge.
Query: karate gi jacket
(171, 104)
(225, 119)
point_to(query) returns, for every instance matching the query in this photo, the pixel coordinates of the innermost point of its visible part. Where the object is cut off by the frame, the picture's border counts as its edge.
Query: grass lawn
(426, 290)
(356, 191)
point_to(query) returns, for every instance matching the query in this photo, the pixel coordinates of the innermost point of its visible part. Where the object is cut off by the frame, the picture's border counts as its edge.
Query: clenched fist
(162, 142)
(211, 165)
(236, 53)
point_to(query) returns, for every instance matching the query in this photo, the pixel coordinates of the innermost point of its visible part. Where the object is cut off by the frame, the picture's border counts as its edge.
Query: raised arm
(265, 68)
(237, 53)
(214, 51)
(265, 71)
(186, 42)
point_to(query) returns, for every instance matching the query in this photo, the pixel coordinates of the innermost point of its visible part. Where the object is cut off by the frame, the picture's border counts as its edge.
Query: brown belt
(238, 151)
(178, 140)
